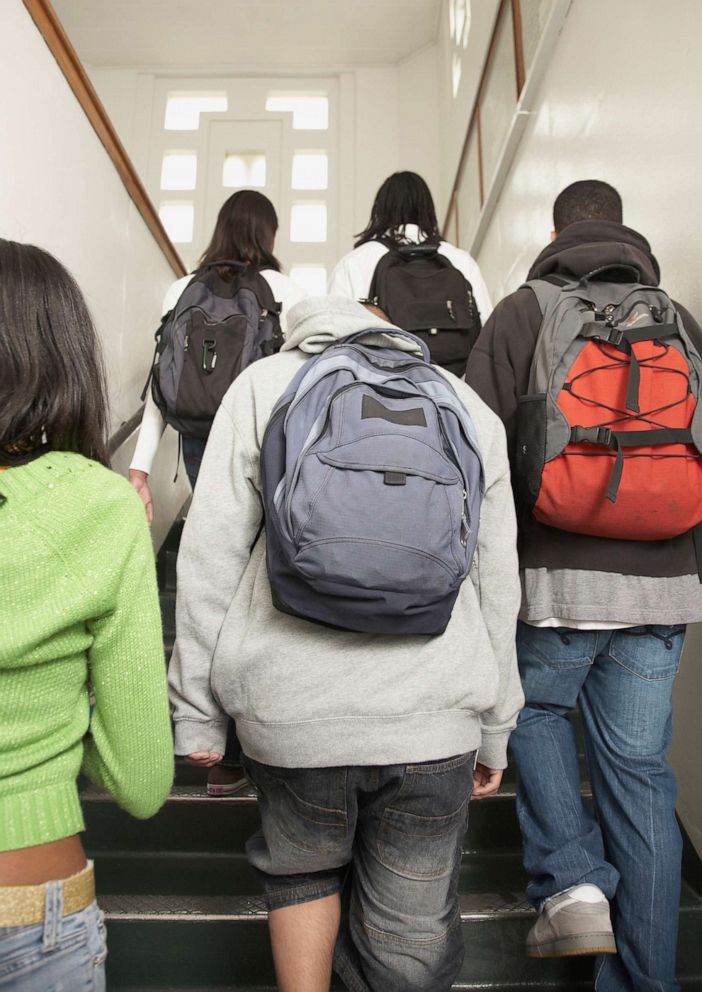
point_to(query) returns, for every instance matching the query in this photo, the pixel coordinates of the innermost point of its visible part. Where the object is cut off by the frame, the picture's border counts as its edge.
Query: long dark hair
(404, 198)
(245, 231)
(53, 390)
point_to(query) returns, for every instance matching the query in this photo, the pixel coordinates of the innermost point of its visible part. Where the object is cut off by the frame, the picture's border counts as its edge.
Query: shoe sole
(569, 947)
(226, 790)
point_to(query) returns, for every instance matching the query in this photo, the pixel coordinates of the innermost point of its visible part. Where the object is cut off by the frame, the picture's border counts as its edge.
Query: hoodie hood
(319, 321)
(587, 245)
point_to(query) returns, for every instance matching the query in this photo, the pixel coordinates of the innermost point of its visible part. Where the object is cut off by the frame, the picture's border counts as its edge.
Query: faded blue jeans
(391, 837)
(62, 954)
(622, 681)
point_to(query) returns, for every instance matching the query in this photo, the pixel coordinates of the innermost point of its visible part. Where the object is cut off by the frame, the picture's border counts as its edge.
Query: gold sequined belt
(23, 905)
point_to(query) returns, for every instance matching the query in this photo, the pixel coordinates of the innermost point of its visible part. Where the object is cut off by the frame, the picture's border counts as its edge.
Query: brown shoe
(225, 780)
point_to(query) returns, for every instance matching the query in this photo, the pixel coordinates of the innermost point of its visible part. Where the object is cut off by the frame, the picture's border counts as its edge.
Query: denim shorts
(391, 838)
(62, 954)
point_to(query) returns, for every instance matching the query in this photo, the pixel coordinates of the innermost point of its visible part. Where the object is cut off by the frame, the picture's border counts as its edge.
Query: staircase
(184, 912)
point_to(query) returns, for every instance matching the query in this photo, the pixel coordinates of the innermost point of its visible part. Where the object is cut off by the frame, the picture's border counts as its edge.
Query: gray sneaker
(572, 922)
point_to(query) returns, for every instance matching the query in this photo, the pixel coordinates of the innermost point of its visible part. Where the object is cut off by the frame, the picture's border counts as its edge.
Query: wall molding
(54, 34)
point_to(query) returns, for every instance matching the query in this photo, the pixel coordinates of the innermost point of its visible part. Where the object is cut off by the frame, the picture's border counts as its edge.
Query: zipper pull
(449, 307)
(186, 343)
(209, 355)
(465, 530)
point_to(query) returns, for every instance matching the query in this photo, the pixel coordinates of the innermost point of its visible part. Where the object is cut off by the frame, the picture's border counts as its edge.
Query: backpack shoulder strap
(261, 287)
(547, 290)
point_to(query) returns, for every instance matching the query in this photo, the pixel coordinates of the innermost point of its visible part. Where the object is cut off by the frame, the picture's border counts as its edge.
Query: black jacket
(498, 370)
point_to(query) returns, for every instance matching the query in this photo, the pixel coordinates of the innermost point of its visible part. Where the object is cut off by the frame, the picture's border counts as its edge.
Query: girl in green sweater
(79, 616)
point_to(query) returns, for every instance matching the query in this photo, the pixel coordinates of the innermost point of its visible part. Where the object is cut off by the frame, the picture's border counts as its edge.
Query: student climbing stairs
(184, 911)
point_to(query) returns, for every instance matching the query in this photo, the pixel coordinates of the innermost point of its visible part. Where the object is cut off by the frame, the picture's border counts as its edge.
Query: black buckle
(604, 436)
(616, 336)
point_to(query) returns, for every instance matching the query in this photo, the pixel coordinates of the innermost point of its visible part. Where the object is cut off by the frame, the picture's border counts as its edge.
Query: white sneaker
(575, 921)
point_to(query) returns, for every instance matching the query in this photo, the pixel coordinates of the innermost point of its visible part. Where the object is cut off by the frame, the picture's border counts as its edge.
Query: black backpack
(226, 318)
(422, 292)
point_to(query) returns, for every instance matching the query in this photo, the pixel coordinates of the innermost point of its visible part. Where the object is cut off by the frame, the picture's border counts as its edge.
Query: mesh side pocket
(530, 454)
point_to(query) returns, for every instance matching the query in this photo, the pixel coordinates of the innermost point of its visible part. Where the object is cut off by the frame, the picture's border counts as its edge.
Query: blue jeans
(193, 450)
(391, 838)
(622, 681)
(62, 954)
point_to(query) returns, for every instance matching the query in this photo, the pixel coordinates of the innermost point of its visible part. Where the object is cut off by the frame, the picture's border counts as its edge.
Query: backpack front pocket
(384, 523)
(212, 360)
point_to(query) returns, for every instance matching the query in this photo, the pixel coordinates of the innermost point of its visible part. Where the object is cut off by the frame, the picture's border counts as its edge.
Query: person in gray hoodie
(364, 748)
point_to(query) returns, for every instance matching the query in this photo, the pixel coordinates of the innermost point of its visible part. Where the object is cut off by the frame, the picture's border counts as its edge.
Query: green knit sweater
(78, 611)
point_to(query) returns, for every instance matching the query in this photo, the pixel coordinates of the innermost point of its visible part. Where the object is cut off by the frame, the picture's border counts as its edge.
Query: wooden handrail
(474, 119)
(54, 34)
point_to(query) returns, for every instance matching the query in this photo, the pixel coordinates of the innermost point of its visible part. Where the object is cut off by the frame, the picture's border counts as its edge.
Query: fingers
(204, 759)
(486, 781)
(139, 481)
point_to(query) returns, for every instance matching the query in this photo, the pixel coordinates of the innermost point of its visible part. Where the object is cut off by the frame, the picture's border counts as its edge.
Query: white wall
(420, 132)
(628, 114)
(60, 191)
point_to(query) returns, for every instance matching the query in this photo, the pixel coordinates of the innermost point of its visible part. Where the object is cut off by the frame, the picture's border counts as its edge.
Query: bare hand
(486, 781)
(140, 481)
(204, 759)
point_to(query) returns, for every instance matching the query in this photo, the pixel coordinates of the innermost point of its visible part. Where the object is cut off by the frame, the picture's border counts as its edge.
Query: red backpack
(610, 431)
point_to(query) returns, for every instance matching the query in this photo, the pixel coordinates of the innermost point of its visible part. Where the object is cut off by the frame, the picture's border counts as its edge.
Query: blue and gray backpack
(372, 486)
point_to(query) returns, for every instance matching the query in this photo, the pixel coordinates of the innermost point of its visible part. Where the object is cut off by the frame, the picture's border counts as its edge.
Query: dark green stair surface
(184, 911)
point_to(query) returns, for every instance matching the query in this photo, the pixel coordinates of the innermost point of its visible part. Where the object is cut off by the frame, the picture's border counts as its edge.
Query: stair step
(224, 824)
(180, 939)
(174, 873)
(196, 822)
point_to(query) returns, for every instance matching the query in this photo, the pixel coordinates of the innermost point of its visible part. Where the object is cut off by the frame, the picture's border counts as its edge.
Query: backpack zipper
(465, 530)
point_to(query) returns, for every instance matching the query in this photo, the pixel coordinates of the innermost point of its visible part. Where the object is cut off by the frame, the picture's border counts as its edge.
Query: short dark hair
(53, 389)
(588, 199)
(404, 198)
(245, 231)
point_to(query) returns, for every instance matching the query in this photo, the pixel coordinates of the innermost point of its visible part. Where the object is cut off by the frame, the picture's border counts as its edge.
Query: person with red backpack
(596, 375)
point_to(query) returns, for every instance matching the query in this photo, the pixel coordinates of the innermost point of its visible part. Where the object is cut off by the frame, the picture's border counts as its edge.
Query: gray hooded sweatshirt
(304, 695)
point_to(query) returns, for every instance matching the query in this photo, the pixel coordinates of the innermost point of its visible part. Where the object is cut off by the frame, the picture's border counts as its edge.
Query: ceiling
(248, 33)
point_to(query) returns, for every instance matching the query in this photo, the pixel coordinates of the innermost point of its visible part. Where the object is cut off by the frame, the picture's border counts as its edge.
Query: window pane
(499, 100)
(312, 278)
(179, 170)
(244, 169)
(178, 220)
(308, 222)
(310, 113)
(310, 170)
(183, 109)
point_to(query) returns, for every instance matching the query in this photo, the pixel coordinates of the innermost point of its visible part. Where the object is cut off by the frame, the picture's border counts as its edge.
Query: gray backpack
(372, 486)
(226, 318)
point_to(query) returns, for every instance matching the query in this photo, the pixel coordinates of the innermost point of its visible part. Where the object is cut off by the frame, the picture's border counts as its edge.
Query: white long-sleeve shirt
(352, 276)
(285, 292)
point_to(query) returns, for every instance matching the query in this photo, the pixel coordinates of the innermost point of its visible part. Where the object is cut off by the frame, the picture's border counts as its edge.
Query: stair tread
(197, 793)
(474, 906)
